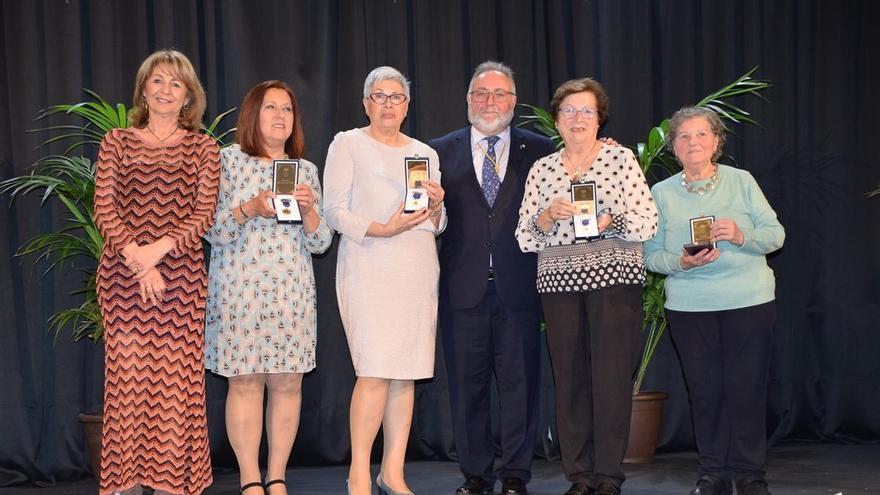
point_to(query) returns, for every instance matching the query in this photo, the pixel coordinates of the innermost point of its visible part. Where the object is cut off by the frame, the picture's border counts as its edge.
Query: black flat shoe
(752, 485)
(474, 485)
(513, 486)
(712, 485)
(578, 489)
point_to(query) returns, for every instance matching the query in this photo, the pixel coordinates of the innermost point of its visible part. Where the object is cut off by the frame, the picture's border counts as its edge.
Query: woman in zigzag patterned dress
(155, 195)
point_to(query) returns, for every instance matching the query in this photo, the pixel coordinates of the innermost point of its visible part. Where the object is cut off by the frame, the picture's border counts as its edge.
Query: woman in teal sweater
(719, 300)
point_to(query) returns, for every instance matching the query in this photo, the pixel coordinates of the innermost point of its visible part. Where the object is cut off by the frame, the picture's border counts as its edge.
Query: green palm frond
(70, 180)
(100, 118)
(85, 320)
(743, 86)
(543, 122)
(211, 130)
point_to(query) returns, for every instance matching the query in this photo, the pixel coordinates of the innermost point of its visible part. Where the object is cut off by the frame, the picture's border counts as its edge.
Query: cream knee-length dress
(386, 287)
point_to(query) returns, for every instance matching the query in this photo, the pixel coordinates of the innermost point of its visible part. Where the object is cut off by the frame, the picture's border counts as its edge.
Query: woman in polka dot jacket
(590, 290)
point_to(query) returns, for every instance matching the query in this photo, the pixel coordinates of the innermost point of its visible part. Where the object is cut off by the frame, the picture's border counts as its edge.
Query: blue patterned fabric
(261, 313)
(491, 181)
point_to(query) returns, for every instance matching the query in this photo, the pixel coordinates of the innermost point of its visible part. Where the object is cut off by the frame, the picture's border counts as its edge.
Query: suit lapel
(515, 161)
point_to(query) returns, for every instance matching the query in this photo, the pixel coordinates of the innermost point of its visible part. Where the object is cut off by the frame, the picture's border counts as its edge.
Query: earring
(144, 103)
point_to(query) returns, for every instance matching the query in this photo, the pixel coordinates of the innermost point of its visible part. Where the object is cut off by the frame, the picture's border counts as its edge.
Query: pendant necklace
(161, 140)
(580, 176)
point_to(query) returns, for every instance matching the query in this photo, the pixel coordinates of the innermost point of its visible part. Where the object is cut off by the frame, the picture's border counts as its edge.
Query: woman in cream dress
(386, 274)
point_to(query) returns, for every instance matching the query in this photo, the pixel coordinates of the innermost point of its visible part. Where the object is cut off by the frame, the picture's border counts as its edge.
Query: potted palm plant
(658, 163)
(76, 244)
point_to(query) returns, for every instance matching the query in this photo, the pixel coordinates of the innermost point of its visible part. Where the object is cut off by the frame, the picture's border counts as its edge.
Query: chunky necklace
(701, 190)
(161, 140)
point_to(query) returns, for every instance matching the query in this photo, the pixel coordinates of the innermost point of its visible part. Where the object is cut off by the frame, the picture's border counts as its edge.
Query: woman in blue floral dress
(261, 315)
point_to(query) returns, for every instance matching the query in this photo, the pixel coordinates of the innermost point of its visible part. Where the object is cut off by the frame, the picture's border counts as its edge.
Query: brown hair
(248, 132)
(687, 113)
(579, 86)
(191, 114)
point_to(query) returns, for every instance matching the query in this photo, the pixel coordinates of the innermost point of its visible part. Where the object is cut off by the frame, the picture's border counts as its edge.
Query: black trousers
(725, 356)
(595, 343)
(492, 338)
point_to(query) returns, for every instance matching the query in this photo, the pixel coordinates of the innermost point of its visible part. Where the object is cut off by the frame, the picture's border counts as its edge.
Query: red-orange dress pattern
(155, 433)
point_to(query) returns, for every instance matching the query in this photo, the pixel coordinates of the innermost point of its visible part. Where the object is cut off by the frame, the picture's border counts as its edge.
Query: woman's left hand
(305, 198)
(435, 192)
(726, 229)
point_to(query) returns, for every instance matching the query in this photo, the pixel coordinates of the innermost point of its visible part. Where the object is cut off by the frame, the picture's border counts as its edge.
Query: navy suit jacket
(475, 230)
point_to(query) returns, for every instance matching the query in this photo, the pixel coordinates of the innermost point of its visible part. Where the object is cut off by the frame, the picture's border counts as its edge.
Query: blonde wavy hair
(192, 112)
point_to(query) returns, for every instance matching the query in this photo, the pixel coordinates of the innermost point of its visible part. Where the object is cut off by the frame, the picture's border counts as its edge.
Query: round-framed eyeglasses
(570, 112)
(380, 98)
(499, 95)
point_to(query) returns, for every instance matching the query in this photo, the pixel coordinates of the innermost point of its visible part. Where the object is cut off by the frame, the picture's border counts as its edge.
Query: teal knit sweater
(740, 277)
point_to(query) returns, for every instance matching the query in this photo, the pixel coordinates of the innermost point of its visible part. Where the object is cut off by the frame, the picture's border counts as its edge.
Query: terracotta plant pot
(644, 427)
(92, 425)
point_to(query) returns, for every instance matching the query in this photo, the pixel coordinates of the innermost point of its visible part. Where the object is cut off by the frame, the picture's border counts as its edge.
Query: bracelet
(241, 210)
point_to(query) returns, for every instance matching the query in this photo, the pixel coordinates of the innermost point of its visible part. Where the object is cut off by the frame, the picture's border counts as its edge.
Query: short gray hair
(688, 113)
(493, 66)
(385, 73)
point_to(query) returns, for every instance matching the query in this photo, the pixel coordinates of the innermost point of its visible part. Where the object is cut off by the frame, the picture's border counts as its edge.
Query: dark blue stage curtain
(814, 155)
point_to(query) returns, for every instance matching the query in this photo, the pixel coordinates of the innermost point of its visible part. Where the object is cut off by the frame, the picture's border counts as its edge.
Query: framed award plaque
(701, 235)
(583, 197)
(417, 172)
(285, 177)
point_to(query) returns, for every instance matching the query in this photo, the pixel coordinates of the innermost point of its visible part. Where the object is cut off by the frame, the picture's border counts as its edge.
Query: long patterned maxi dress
(155, 433)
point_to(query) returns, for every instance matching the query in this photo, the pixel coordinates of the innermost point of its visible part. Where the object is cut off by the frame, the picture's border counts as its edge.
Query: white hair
(385, 73)
(493, 66)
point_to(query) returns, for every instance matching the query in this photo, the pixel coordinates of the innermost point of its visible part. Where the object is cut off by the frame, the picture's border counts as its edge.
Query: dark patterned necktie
(491, 181)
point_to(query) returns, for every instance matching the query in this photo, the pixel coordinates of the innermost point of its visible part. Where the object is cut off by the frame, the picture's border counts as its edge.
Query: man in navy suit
(490, 312)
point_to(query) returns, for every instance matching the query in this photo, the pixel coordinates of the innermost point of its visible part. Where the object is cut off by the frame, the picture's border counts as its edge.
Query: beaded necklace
(701, 190)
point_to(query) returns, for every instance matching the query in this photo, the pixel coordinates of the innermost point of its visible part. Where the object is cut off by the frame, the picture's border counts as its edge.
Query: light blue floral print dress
(261, 314)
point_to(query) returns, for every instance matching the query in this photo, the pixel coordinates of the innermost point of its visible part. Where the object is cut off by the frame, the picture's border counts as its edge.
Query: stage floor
(793, 468)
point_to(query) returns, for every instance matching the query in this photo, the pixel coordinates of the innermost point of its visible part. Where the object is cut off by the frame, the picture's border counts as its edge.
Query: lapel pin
(522, 146)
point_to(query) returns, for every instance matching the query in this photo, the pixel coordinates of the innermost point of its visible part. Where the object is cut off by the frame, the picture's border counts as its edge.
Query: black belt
(491, 274)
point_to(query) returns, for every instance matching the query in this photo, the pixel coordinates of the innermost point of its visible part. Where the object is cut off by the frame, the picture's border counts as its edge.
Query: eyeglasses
(482, 96)
(570, 112)
(380, 98)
